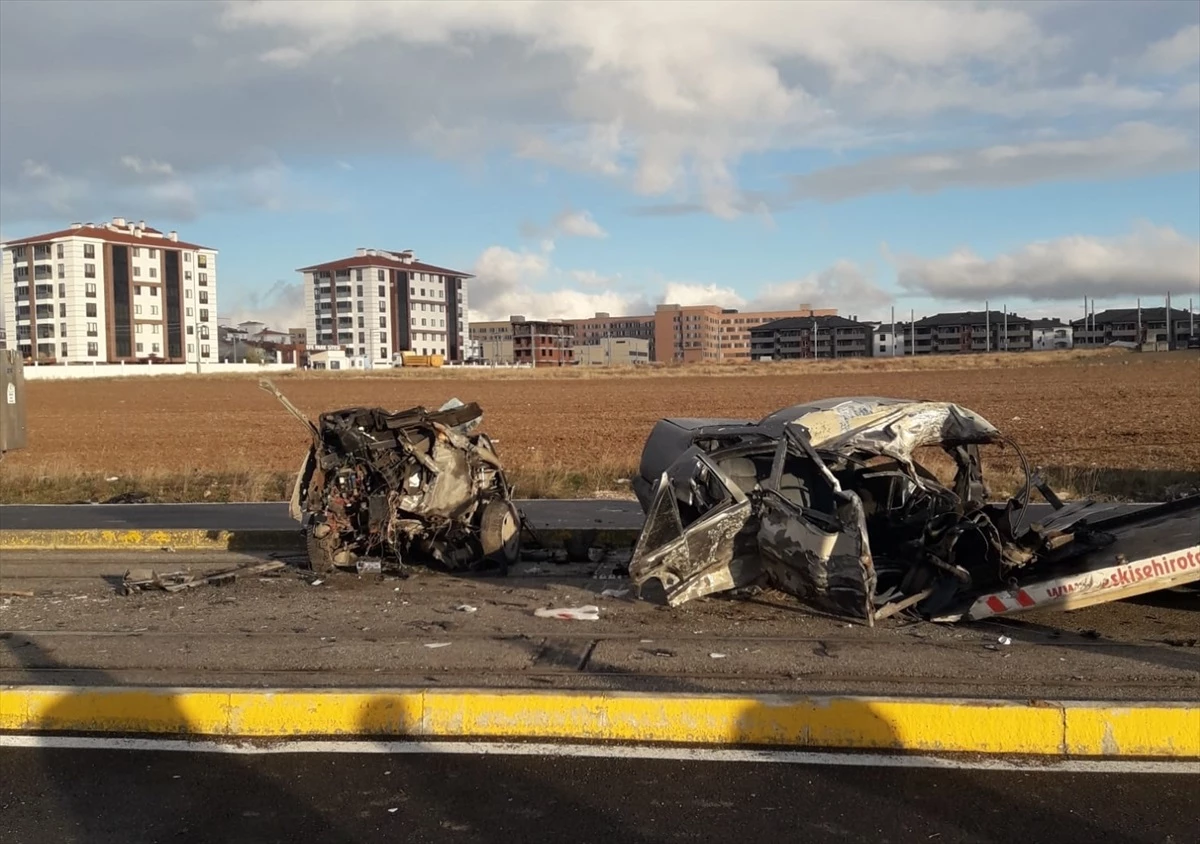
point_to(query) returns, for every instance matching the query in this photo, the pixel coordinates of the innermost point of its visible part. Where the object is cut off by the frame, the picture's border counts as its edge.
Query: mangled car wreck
(827, 502)
(411, 486)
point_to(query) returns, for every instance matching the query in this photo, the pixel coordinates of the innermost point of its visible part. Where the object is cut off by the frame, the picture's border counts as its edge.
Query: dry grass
(1109, 423)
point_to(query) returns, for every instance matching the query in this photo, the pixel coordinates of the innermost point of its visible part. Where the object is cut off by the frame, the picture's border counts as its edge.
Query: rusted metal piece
(416, 485)
(827, 502)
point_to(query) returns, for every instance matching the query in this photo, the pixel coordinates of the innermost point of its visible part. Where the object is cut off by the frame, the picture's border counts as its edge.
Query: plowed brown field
(1134, 413)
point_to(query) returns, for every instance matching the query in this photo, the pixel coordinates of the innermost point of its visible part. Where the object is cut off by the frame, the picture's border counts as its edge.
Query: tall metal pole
(987, 327)
(1191, 320)
(1138, 339)
(912, 331)
(1005, 346)
(896, 337)
(1093, 318)
(1170, 327)
(1085, 322)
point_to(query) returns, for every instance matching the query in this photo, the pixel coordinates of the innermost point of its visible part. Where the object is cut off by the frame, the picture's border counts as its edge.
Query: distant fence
(60, 372)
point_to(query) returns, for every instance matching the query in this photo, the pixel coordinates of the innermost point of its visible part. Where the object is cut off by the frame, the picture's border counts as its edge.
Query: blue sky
(611, 156)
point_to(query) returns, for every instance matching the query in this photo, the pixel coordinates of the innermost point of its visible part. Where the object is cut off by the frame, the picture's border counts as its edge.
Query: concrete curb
(1034, 728)
(195, 539)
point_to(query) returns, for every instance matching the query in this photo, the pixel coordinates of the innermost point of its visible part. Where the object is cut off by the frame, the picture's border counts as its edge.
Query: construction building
(378, 304)
(1050, 335)
(602, 326)
(810, 337)
(116, 292)
(1144, 328)
(972, 331)
(711, 334)
(540, 343)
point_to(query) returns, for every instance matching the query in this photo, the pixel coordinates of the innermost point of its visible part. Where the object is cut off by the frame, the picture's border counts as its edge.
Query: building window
(137, 290)
(61, 251)
(62, 329)
(187, 257)
(154, 310)
(62, 270)
(138, 328)
(187, 275)
(203, 297)
(204, 332)
(91, 330)
(204, 314)
(137, 270)
(137, 251)
(137, 309)
(154, 290)
(383, 322)
(189, 311)
(62, 310)
(202, 261)
(422, 292)
(153, 253)
(382, 306)
(139, 345)
(89, 290)
(362, 337)
(382, 288)
(202, 278)
(203, 350)
(93, 350)
(154, 349)
(187, 294)
(360, 306)
(383, 352)
(191, 330)
(89, 271)
(191, 348)
(361, 322)
(89, 250)
(154, 272)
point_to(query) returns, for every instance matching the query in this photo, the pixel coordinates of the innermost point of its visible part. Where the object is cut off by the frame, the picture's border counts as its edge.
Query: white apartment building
(108, 293)
(380, 303)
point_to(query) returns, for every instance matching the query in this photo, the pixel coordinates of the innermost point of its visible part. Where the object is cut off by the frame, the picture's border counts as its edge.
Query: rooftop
(1131, 315)
(968, 318)
(383, 258)
(119, 230)
(794, 323)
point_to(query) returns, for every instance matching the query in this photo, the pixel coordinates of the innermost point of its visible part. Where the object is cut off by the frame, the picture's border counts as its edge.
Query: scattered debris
(432, 645)
(176, 581)
(316, 582)
(1004, 640)
(16, 593)
(588, 613)
(369, 566)
(413, 486)
(827, 502)
(466, 608)
(717, 656)
(614, 593)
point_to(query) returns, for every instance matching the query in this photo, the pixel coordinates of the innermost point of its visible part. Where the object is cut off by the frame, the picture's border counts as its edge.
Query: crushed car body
(415, 485)
(827, 501)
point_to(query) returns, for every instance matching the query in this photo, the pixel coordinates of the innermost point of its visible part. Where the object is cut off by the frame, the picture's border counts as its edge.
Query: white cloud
(1150, 261)
(684, 293)
(280, 306)
(149, 167)
(1130, 149)
(1175, 53)
(590, 279)
(578, 224)
(665, 98)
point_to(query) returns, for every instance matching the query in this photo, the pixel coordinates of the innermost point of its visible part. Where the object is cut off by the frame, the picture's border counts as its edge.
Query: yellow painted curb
(196, 539)
(189, 539)
(1044, 728)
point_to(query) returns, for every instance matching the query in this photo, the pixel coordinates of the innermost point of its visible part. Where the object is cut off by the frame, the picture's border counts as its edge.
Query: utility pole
(1191, 320)
(987, 326)
(1093, 318)
(1138, 339)
(1085, 321)
(912, 330)
(895, 334)
(1170, 327)
(1005, 344)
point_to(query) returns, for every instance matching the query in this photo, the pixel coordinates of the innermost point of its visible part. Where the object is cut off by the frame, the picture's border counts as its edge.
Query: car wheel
(500, 531)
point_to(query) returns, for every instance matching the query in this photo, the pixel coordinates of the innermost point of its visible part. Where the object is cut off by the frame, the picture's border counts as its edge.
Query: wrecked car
(827, 502)
(415, 485)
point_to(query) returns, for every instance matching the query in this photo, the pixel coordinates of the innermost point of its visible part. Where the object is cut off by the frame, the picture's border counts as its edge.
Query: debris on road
(432, 645)
(588, 613)
(176, 581)
(827, 502)
(466, 608)
(16, 593)
(614, 593)
(410, 486)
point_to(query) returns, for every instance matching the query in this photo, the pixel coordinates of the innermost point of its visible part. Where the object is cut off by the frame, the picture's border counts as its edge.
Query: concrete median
(1047, 729)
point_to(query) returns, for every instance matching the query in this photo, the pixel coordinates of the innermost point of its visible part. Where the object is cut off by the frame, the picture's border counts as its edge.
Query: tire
(500, 532)
(321, 549)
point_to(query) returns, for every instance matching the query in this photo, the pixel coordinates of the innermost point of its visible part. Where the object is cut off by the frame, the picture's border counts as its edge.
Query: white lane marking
(679, 754)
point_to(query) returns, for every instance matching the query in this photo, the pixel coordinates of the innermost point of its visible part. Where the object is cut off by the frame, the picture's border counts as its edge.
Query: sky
(590, 156)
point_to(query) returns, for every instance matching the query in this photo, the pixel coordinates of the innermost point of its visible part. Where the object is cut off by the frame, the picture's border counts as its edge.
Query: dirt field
(1120, 424)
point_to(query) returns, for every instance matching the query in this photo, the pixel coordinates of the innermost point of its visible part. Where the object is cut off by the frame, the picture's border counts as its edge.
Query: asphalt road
(542, 513)
(100, 796)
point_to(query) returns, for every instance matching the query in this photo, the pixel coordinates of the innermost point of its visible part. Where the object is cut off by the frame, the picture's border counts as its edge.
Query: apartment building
(808, 337)
(1121, 325)
(378, 303)
(890, 339)
(972, 331)
(708, 333)
(543, 342)
(116, 292)
(614, 351)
